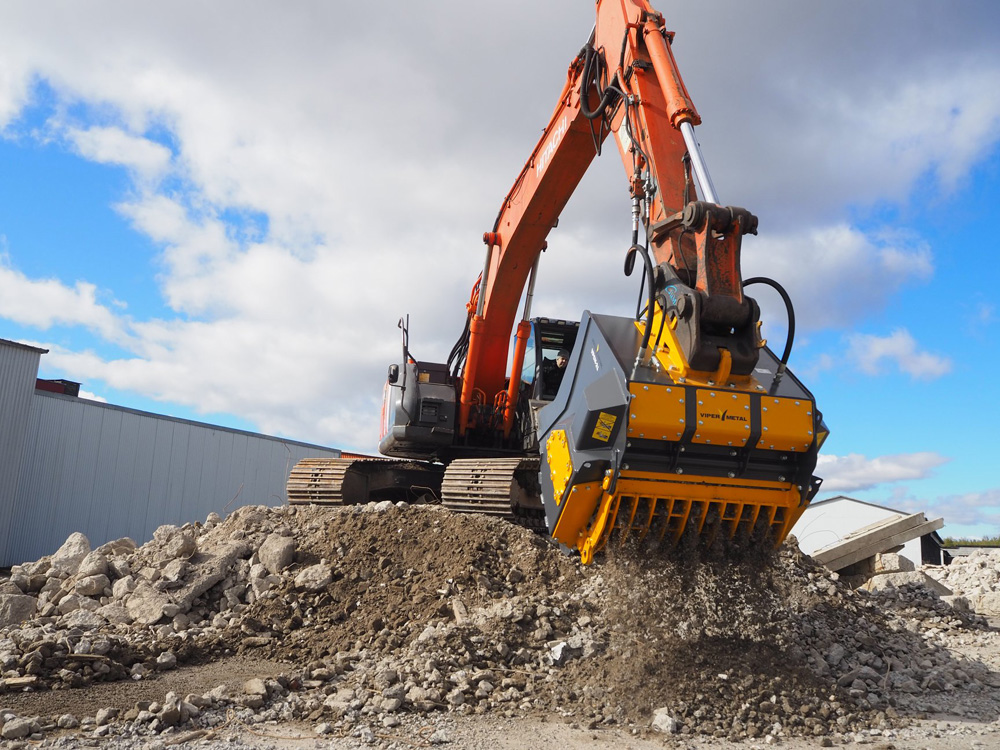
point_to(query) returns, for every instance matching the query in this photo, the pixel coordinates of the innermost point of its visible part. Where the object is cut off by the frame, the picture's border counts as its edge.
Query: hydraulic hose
(607, 95)
(650, 295)
(788, 308)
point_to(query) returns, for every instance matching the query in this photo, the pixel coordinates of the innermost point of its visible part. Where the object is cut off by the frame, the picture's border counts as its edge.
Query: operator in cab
(553, 371)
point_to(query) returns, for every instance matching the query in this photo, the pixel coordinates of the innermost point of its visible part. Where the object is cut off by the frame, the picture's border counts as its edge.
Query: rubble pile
(975, 581)
(387, 614)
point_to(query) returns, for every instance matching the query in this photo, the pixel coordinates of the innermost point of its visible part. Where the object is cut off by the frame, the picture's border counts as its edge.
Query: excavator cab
(540, 376)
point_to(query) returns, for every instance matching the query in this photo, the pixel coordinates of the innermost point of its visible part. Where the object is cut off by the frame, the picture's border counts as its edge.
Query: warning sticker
(605, 424)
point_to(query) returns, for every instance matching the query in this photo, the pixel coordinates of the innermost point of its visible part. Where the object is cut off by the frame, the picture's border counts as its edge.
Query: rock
(93, 585)
(255, 686)
(562, 652)
(94, 564)
(211, 567)
(17, 728)
(175, 570)
(68, 557)
(115, 613)
(123, 587)
(83, 619)
(277, 553)
(897, 580)
(180, 544)
(145, 604)
(892, 562)
(988, 604)
(16, 608)
(314, 578)
(835, 654)
(67, 721)
(663, 721)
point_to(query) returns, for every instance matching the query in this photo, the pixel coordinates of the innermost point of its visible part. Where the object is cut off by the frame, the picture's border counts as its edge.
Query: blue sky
(224, 222)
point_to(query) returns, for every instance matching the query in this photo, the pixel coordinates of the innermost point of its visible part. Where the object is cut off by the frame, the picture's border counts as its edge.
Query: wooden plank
(864, 536)
(882, 544)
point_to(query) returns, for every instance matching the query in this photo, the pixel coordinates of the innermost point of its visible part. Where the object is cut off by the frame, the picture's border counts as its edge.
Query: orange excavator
(677, 424)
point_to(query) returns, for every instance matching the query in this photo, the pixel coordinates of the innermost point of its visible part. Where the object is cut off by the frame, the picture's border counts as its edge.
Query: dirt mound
(393, 574)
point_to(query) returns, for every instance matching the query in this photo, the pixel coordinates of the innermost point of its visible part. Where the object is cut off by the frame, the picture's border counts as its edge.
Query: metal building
(70, 464)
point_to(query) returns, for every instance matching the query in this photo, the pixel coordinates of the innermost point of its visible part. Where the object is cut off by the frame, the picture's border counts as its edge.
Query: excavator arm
(624, 81)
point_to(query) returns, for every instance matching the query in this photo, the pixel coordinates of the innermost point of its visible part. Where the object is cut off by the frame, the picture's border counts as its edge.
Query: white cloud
(44, 303)
(871, 353)
(112, 145)
(979, 510)
(835, 274)
(968, 515)
(362, 182)
(854, 472)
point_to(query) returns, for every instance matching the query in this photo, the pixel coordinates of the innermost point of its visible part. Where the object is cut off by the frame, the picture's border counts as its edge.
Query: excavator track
(350, 481)
(504, 487)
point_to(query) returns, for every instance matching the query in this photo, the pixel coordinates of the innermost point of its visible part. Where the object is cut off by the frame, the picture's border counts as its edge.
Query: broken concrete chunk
(92, 585)
(896, 580)
(180, 546)
(146, 604)
(68, 557)
(93, 564)
(314, 578)
(277, 553)
(891, 562)
(15, 609)
(663, 721)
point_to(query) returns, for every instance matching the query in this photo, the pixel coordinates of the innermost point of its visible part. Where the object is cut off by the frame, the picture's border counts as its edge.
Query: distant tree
(993, 541)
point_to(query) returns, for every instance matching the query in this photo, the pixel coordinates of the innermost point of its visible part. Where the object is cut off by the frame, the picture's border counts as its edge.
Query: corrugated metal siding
(18, 370)
(111, 472)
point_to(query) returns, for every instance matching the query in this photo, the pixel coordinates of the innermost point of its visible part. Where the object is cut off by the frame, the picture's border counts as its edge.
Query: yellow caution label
(605, 424)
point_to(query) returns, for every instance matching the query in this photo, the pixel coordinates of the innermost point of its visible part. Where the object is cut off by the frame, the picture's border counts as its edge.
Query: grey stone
(123, 587)
(17, 728)
(67, 721)
(663, 721)
(93, 585)
(883, 581)
(93, 564)
(83, 619)
(175, 570)
(277, 553)
(211, 566)
(68, 557)
(146, 604)
(16, 608)
(988, 604)
(314, 578)
(892, 562)
(255, 686)
(115, 613)
(180, 545)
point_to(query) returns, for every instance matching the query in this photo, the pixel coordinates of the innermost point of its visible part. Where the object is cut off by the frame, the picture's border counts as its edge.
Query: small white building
(828, 521)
